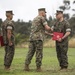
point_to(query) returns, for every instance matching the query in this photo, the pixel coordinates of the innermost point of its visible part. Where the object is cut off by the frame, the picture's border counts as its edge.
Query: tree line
(22, 29)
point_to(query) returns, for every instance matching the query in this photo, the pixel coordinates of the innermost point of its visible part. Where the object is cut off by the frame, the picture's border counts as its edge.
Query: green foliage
(22, 30)
(72, 23)
(17, 38)
(22, 27)
(20, 38)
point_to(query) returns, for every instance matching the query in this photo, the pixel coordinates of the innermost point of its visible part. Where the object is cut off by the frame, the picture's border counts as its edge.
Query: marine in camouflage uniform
(62, 46)
(9, 41)
(36, 41)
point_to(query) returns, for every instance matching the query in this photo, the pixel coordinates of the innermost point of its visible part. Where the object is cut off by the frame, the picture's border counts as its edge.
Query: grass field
(50, 64)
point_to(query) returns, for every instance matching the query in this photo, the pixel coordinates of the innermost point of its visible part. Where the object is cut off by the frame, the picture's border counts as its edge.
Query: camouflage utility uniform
(62, 47)
(9, 50)
(36, 40)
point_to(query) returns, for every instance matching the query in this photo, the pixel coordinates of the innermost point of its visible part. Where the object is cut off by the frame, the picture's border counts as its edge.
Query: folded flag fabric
(57, 35)
(1, 41)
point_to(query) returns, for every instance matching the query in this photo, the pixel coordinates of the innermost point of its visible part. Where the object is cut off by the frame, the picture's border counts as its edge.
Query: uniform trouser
(62, 55)
(35, 46)
(9, 54)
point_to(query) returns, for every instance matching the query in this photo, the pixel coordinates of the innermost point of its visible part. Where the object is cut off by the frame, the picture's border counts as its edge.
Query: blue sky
(28, 9)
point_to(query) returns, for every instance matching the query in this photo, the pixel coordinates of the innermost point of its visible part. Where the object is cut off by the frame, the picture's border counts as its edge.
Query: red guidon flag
(1, 41)
(57, 35)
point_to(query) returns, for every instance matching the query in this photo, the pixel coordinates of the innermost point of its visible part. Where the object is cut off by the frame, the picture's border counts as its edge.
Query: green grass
(50, 64)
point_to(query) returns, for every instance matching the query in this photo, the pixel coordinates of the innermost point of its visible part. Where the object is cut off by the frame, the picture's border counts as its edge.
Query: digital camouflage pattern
(9, 50)
(5, 25)
(62, 47)
(38, 29)
(35, 46)
(36, 40)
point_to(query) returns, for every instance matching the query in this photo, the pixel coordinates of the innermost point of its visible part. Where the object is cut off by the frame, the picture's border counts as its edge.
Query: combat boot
(7, 68)
(63, 68)
(26, 67)
(38, 69)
